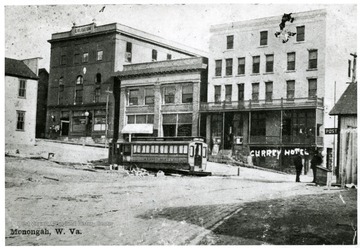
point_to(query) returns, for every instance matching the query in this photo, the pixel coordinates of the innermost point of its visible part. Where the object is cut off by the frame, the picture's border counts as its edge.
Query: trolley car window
(171, 149)
(147, 150)
(138, 149)
(181, 149)
(135, 148)
(127, 150)
(156, 149)
(204, 152)
(191, 151)
(186, 149)
(175, 149)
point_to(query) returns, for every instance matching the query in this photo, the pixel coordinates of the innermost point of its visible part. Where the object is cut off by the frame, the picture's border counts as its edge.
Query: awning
(138, 128)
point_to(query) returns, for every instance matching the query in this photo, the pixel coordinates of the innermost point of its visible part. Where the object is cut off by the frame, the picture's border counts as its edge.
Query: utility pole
(108, 92)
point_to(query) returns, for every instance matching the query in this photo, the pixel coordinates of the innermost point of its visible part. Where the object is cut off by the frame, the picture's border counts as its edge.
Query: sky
(29, 27)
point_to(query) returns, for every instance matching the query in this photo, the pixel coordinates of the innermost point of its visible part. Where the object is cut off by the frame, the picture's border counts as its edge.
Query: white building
(267, 95)
(21, 85)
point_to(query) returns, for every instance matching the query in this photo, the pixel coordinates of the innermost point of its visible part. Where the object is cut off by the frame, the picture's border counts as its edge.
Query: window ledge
(263, 46)
(312, 69)
(290, 71)
(228, 76)
(268, 73)
(299, 42)
(215, 77)
(20, 130)
(255, 74)
(240, 75)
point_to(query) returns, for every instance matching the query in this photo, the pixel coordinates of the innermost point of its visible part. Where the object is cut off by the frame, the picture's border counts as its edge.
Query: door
(198, 155)
(64, 128)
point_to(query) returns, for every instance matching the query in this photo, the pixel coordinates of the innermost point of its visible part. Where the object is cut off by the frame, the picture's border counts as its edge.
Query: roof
(347, 104)
(17, 68)
(163, 67)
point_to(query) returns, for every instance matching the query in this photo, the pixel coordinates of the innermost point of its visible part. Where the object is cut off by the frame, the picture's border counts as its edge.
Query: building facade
(270, 99)
(41, 106)
(82, 86)
(20, 102)
(162, 98)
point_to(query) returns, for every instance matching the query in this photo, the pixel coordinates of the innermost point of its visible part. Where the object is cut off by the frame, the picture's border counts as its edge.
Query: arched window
(98, 78)
(79, 79)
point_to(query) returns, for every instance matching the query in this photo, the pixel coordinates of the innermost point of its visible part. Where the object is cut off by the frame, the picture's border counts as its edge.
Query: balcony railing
(263, 104)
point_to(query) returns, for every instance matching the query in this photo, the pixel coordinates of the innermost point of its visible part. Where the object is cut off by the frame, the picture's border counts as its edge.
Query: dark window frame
(229, 67)
(269, 91)
(269, 63)
(312, 91)
(300, 33)
(313, 62)
(218, 68)
(256, 65)
(128, 52)
(241, 88)
(20, 120)
(291, 64)
(230, 42)
(185, 96)
(217, 93)
(255, 94)
(241, 65)
(290, 90)
(133, 100)
(263, 38)
(228, 93)
(154, 55)
(22, 88)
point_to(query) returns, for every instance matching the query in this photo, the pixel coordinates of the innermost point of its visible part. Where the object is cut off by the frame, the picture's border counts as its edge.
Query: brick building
(82, 86)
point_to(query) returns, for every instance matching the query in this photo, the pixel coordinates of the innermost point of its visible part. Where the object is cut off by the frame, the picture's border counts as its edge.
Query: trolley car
(187, 155)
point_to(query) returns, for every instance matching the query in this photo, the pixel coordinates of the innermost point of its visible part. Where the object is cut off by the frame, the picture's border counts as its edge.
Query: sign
(83, 29)
(278, 152)
(331, 130)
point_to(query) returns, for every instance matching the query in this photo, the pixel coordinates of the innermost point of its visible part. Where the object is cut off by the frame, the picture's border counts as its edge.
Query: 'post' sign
(331, 131)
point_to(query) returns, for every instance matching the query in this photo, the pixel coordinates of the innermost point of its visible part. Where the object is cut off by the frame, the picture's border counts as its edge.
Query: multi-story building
(82, 86)
(43, 85)
(21, 84)
(270, 99)
(162, 98)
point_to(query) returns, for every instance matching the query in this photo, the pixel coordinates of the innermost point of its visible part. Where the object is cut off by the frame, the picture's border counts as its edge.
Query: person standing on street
(298, 166)
(315, 161)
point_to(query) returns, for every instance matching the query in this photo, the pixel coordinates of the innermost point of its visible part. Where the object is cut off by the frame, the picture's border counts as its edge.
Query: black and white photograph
(179, 123)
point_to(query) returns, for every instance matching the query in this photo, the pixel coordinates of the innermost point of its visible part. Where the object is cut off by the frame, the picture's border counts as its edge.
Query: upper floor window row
(81, 58)
(269, 64)
(263, 37)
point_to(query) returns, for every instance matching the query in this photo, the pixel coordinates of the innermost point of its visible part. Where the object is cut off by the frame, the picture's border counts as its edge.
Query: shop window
(241, 66)
(258, 124)
(217, 123)
(20, 120)
(187, 93)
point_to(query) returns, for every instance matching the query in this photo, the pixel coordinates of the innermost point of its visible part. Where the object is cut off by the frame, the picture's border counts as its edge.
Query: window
(169, 94)
(98, 78)
(184, 125)
(76, 58)
(85, 57)
(291, 61)
(99, 55)
(97, 95)
(20, 120)
(79, 94)
(349, 68)
(79, 80)
(154, 55)
(140, 119)
(229, 66)
(256, 64)
(187, 93)
(63, 60)
(218, 68)
(230, 42)
(290, 90)
(217, 125)
(255, 92)
(228, 91)
(128, 53)
(312, 59)
(270, 63)
(240, 92)
(268, 91)
(300, 33)
(61, 94)
(263, 38)
(241, 66)
(312, 88)
(22, 88)
(168, 56)
(149, 96)
(133, 97)
(217, 93)
(258, 124)
(100, 120)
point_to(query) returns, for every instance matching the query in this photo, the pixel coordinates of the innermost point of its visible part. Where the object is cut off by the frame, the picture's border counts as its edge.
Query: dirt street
(68, 205)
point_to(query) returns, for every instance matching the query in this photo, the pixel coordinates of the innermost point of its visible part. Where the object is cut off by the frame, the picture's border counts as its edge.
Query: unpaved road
(112, 208)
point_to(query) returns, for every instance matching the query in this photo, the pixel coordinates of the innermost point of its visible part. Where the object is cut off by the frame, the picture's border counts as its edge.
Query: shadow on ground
(325, 219)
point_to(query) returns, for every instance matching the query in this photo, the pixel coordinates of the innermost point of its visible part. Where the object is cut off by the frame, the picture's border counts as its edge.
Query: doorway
(64, 128)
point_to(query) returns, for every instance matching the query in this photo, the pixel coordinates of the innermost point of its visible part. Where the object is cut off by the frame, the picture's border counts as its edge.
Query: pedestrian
(298, 166)
(315, 161)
